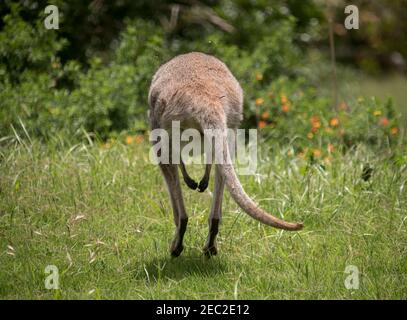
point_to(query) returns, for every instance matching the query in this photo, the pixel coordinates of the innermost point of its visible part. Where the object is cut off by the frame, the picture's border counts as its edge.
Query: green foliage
(380, 39)
(105, 99)
(26, 46)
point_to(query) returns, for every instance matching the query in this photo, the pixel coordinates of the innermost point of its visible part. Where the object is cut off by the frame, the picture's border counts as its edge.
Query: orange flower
(259, 76)
(259, 101)
(139, 139)
(285, 108)
(330, 147)
(343, 106)
(284, 99)
(394, 131)
(316, 153)
(334, 122)
(261, 124)
(265, 115)
(314, 119)
(328, 159)
(129, 139)
(310, 135)
(384, 121)
(316, 124)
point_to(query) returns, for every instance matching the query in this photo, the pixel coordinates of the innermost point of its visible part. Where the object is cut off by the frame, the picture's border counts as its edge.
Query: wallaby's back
(195, 85)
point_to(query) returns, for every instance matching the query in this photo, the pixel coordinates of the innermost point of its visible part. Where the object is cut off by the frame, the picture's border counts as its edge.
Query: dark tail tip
(297, 226)
(300, 225)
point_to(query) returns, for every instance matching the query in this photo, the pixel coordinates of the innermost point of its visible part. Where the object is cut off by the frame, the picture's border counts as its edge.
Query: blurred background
(93, 73)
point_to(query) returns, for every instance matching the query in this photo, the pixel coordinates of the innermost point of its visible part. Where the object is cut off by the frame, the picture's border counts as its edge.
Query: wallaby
(199, 91)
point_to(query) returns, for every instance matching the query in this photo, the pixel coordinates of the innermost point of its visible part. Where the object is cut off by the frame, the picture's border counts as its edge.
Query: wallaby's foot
(203, 185)
(191, 183)
(210, 251)
(176, 249)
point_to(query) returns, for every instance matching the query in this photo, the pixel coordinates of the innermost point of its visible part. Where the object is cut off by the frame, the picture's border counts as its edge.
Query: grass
(103, 217)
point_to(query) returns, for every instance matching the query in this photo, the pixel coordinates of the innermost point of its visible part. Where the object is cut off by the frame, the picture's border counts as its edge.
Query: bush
(113, 98)
(105, 99)
(292, 113)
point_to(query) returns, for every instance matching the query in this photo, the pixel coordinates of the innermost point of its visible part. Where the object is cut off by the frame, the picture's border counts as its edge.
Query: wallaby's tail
(235, 188)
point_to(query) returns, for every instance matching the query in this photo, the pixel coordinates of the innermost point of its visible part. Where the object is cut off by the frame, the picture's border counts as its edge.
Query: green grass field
(102, 216)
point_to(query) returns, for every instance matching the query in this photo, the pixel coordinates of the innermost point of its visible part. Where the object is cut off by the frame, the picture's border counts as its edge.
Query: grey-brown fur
(199, 91)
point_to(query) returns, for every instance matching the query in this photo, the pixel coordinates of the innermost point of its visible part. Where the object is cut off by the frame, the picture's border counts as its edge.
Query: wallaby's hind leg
(170, 173)
(188, 180)
(216, 214)
(203, 184)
